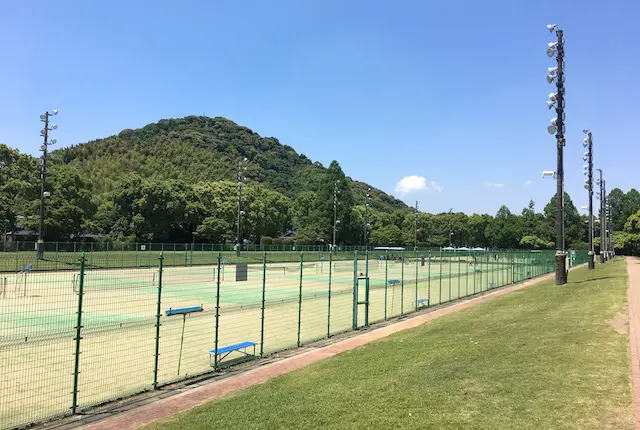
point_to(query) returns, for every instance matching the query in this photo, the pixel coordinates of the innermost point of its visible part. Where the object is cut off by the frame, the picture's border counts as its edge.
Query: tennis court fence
(77, 334)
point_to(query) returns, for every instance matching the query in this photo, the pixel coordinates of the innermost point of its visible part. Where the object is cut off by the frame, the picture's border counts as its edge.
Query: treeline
(174, 180)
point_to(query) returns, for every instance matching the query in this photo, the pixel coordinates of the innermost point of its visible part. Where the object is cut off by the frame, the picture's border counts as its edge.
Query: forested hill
(199, 149)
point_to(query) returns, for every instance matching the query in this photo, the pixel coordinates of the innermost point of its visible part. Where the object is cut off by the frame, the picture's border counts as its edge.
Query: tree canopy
(176, 179)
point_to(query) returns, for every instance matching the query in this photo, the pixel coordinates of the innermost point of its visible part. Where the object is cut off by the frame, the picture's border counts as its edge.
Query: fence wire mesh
(80, 329)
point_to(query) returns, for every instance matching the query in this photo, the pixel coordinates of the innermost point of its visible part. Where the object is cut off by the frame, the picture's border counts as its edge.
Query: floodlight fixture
(46, 194)
(551, 27)
(43, 117)
(551, 78)
(550, 104)
(54, 126)
(585, 142)
(551, 52)
(53, 141)
(585, 131)
(54, 112)
(547, 173)
(553, 96)
(553, 70)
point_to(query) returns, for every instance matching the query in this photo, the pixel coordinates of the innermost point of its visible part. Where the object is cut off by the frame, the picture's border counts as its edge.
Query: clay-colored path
(633, 270)
(196, 396)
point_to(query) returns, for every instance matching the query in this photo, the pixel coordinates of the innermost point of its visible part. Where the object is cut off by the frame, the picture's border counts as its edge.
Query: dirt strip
(163, 408)
(633, 294)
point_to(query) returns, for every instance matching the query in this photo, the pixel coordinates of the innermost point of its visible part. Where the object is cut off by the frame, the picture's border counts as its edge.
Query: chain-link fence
(79, 333)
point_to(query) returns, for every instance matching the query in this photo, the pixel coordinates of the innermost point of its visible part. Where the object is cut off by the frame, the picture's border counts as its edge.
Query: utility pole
(557, 126)
(43, 176)
(242, 180)
(588, 157)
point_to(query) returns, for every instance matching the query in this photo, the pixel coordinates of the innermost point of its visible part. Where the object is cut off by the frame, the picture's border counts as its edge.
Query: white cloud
(528, 182)
(493, 184)
(410, 184)
(437, 187)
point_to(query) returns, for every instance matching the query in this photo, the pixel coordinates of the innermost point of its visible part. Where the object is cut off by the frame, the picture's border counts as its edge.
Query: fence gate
(361, 294)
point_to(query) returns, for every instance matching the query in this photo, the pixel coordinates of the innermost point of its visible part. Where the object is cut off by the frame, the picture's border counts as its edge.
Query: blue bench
(226, 350)
(393, 281)
(423, 302)
(183, 311)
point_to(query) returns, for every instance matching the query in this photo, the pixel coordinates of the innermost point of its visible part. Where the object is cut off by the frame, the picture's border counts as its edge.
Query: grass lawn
(542, 357)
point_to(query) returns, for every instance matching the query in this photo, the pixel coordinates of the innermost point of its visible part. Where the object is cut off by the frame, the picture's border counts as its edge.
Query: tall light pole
(43, 176)
(417, 214)
(612, 248)
(336, 221)
(242, 180)
(588, 185)
(600, 182)
(556, 49)
(367, 201)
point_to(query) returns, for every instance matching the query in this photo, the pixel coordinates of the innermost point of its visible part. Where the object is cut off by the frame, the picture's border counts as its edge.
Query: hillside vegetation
(176, 177)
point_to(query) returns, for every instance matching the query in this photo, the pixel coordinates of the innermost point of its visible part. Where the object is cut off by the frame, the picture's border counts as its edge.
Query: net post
(215, 342)
(158, 314)
(300, 299)
(78, 327)
(264, 284)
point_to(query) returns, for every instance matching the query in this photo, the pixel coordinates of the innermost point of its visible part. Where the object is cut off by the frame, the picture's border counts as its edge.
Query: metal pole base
(40, 250)
(592, 260)
(602, 260)
(561, 269)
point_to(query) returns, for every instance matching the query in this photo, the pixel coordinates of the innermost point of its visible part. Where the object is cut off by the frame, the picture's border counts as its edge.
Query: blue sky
(450, 91)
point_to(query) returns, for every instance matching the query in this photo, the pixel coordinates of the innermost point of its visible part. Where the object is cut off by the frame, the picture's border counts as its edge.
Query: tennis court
(127, 344)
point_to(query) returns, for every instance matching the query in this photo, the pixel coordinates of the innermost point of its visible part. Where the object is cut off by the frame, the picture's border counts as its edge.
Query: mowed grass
(542, 357)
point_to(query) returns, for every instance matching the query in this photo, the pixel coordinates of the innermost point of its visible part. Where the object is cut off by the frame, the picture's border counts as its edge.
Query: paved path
(188, 399)
(633, 294)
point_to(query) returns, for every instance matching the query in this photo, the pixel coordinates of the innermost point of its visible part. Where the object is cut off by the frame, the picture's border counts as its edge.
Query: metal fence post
(264, 284)
(458, 257)
(329, 304)
(78, 327)
(215, 346)
(300, 298)
(386, 283)
(429, 279)
(158, 315)
(416, 280)
(440, 292)
(354, 321)
(402, 288)
(449, 276)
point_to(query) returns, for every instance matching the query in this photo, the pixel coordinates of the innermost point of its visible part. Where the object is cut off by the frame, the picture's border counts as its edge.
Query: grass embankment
(542, 357)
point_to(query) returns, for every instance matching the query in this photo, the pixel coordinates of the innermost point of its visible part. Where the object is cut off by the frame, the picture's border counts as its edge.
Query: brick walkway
(633, 294)
(188, 399)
